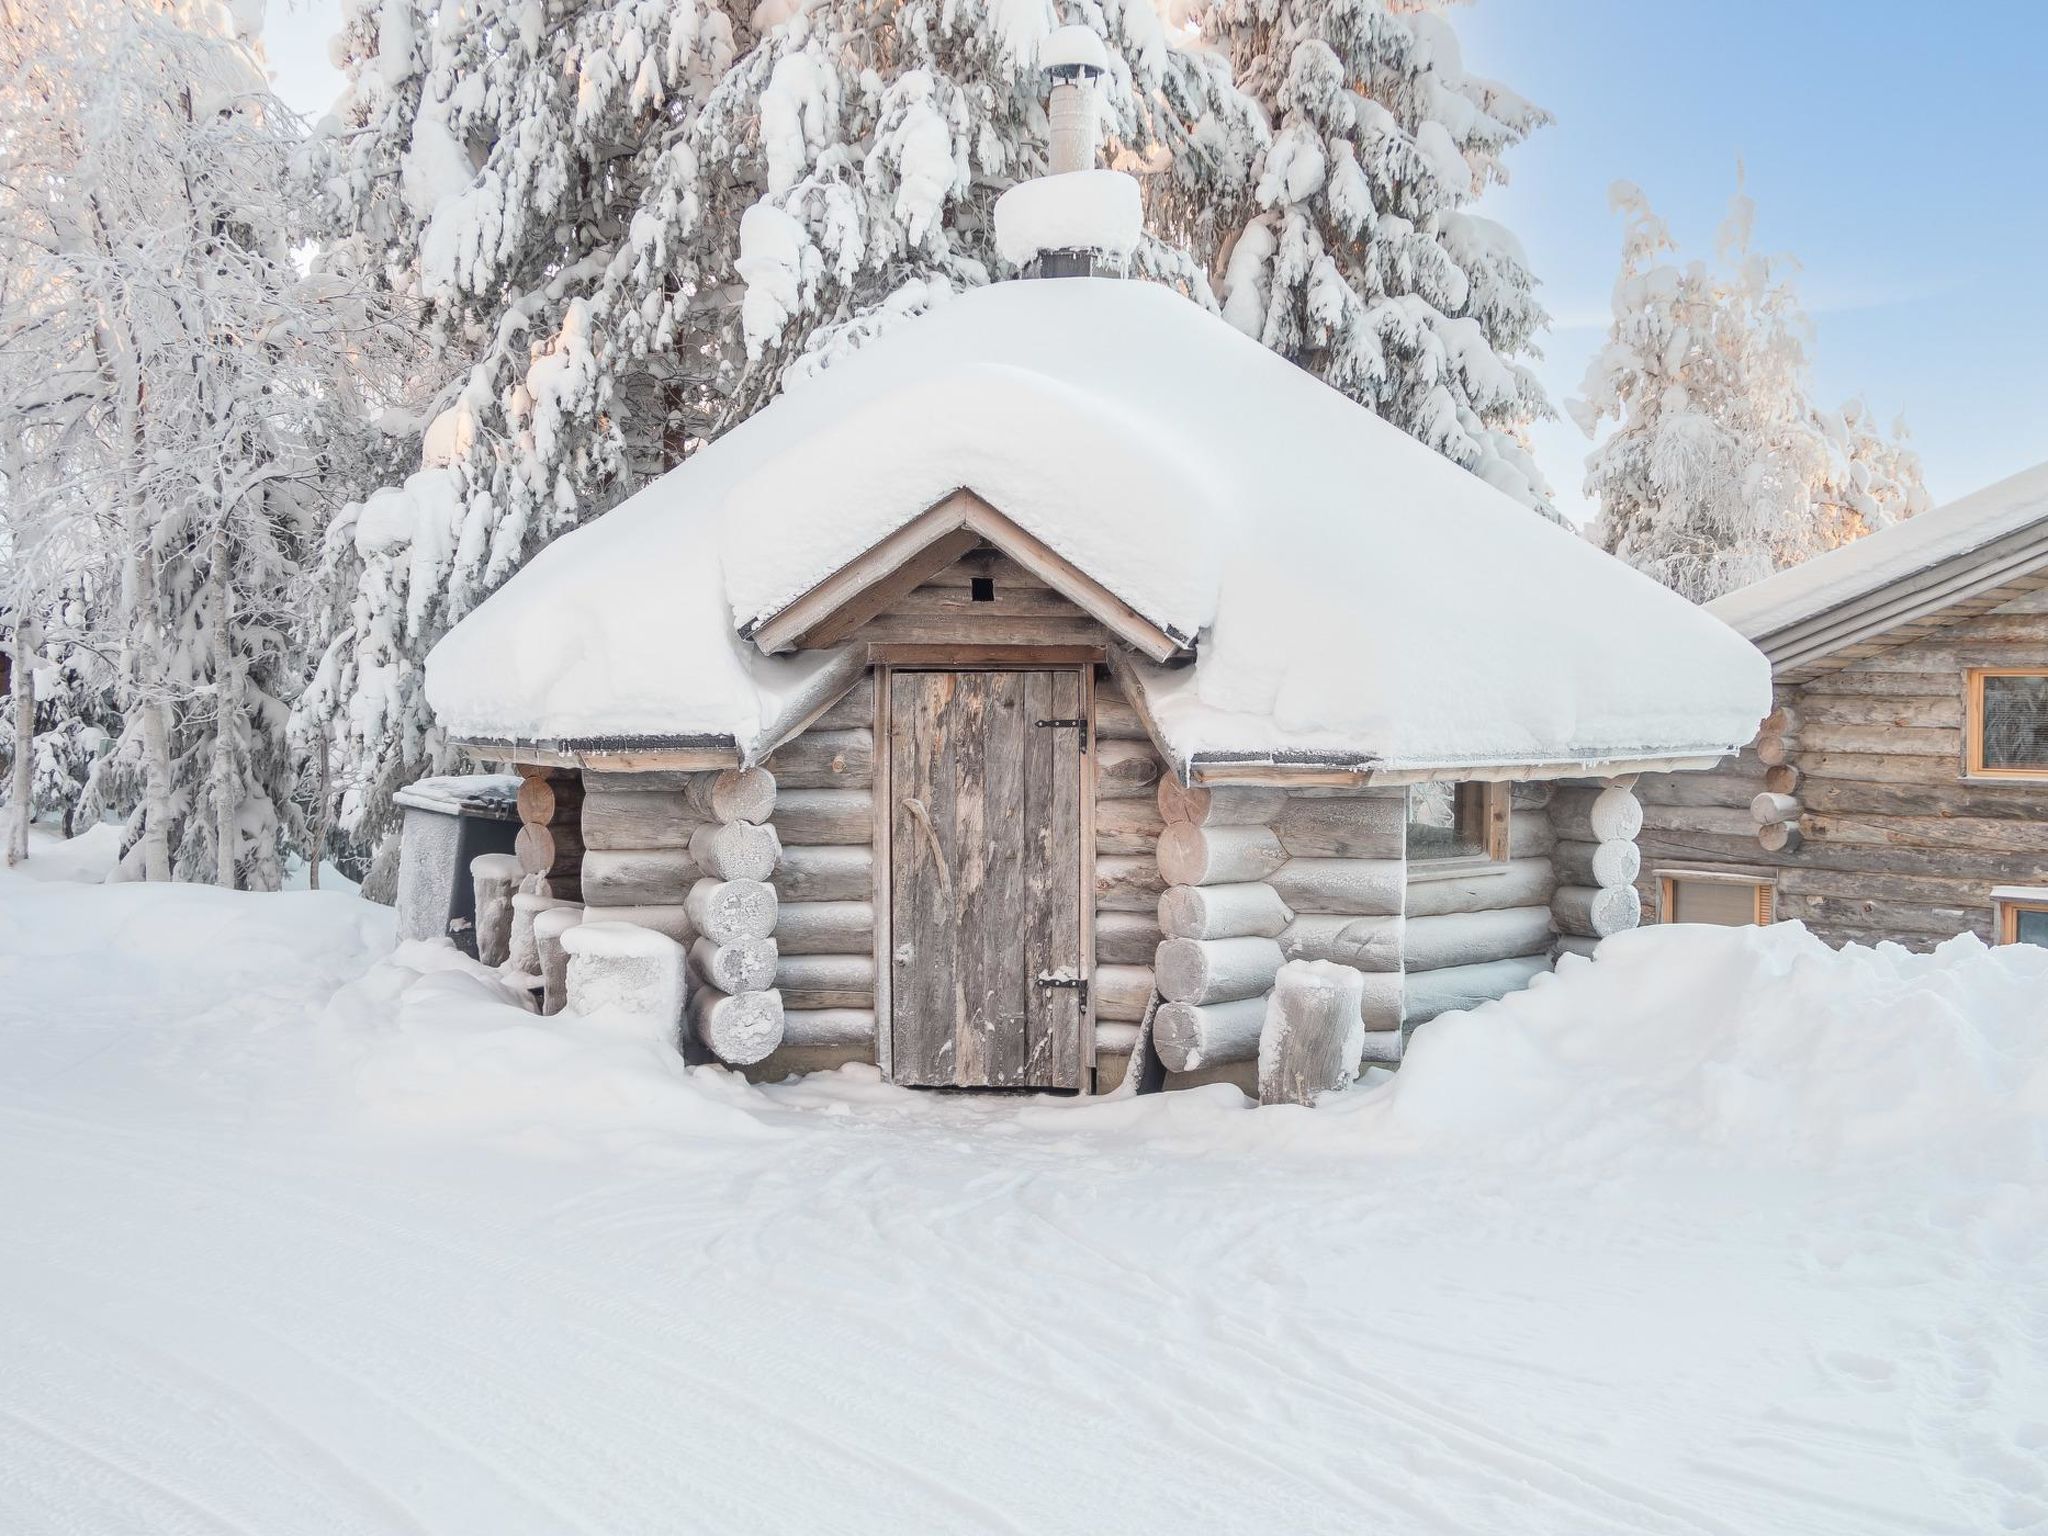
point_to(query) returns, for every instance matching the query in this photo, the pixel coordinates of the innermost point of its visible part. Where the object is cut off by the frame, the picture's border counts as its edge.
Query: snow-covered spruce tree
(497, 163)
(1354, 250)
(850, 160)
(147, 189)
(1719, 470)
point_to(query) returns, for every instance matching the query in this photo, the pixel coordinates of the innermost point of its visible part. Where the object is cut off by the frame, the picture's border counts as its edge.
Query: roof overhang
(1907, 608)
(608, 754)
(865, 586)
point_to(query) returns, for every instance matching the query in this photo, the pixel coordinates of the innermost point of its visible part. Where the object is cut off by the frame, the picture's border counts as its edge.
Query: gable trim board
(862, 588)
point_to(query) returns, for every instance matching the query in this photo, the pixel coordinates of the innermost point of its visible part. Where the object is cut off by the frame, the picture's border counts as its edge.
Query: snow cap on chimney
(1078, 220)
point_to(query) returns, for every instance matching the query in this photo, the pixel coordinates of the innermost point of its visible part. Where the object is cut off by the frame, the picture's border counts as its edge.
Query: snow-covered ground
(1722, 1233)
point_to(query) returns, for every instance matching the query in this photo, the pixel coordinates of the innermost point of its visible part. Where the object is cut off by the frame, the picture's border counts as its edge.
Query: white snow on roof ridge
(1776, 603)
(1353, 591)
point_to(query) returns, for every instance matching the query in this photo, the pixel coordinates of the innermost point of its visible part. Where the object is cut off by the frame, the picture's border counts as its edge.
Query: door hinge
(1078, 983)
(1075, 725)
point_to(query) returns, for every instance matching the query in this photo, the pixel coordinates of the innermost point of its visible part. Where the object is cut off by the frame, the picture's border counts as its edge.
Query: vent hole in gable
(983, 588)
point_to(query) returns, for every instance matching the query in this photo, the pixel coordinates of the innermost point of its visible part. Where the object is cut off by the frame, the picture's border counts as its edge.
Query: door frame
(886, 661)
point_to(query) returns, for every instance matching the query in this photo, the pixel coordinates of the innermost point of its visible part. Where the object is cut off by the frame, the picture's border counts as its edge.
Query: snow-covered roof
(1357, 598)
(1962, 531)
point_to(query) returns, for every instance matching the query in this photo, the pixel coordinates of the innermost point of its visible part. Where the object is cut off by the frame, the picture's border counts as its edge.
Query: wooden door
(985, 892)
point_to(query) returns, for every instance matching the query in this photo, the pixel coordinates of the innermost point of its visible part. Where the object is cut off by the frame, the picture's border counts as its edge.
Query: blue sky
(1898, 150)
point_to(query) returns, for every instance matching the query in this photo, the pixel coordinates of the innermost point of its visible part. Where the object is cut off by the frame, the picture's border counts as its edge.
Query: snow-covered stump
(623, 968)
(495, 877)
(548, 928)
(1312, 1038)
(522, 950)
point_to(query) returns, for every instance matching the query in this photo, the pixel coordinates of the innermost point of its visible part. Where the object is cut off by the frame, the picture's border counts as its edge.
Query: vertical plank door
(985, 879)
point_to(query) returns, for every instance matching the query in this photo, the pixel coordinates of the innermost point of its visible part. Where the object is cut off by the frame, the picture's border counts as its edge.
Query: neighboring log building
(1900, 789)
(1064, 660)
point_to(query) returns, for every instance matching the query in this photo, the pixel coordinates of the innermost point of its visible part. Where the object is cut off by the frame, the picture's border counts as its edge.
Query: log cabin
(1899, 788)
(1060, 666)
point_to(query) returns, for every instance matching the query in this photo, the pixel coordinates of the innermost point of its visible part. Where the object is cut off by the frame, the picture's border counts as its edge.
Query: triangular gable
(868, 584)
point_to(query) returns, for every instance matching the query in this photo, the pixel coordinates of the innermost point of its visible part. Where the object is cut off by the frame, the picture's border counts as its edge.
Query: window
(2008, 722)
(2022, 913)
(1467, 822)
(1710, 896)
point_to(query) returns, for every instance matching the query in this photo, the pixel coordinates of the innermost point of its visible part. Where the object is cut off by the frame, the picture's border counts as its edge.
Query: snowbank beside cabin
(1353, 593)
(1758, 1048)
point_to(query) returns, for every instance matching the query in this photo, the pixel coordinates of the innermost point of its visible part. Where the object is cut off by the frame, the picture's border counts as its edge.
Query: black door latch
(1078, 983)
(1075, 725)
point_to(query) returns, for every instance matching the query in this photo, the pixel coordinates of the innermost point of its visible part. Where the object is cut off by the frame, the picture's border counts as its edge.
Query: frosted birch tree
(148, 204)
(1719, 470)
(1354, 250)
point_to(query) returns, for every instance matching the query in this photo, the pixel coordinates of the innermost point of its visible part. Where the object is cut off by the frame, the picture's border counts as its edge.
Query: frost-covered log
(1596, 816)
(736, 850)
(1767, 809)
(825, 817)
(1125, 938)
(739, 1029)
(825, 874)
(637, 877)
(826, 981)
(1215, 970)
(1190, 1036)
(521, 955)
(1118, 1039)
(1364, 943)
(745, 965)
(1226, 805)
(1596, 911)
(1779, 837)
(1596, 864)
(638, 819)
(824, 760)
(624, 968)
(1244, 910)
(1382, 996)
(1311, 1039)
(494, 877)
(671, 918)
(1344, 826)
(556, 851)
(1127, 826)
(548, 798)
(1355, 887)
(843, 1027)
(1517, 883)
(1575, 944)
(734, 794)
(726, 911)
(1191, 854)
(1783, 779)
(1471, 938)
(1127, 883)
(1530, 834)
(1125, 770)
(826, 928)
(1430, 993)
(1122, 992)
(548, 928)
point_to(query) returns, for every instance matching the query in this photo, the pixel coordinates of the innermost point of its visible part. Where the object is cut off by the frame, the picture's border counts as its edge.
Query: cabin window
(1457, 821)
(1710, 896)
(2008, 722)
(2022, 915)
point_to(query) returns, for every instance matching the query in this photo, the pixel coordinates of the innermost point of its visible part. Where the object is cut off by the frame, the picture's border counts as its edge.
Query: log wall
(1888, 840)
(1476, 932)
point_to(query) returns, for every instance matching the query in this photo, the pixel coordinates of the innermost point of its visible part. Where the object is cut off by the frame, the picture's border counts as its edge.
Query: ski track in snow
(231, 1304)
